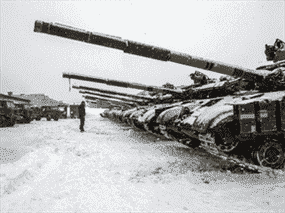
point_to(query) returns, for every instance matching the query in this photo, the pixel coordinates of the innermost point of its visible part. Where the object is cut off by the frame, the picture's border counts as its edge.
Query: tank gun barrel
(94, 98)
(146, 50)
(112, 92)
(119, 83)
(112, 103)
(110, 96)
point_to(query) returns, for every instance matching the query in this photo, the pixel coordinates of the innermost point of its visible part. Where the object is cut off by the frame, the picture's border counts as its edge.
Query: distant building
(37, 100)
(16, 100)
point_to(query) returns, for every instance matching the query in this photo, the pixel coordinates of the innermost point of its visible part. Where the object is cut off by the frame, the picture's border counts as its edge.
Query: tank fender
(211, 116)
(150, 116)
(145, 117)
(221, 119)
(169, 115)
(128, 112)
(136, 113)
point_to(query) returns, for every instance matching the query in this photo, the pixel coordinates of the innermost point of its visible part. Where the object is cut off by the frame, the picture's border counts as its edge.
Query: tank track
(239, 163)
(235, 163)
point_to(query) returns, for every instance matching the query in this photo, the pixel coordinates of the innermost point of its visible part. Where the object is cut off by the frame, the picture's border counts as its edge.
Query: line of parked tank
(226, 128)
(242, 117)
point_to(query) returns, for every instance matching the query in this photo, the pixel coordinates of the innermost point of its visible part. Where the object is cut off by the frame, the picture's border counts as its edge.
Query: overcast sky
(234, 32)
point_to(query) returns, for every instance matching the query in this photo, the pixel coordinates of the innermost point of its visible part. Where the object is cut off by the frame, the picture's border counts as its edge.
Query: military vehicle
(50, 112)
(36, 113)
(110, 113)
(7, 116)
(23, 112)
(112, 104)
(141, 118)
(63, 111)
(74, 111)
(246, 125)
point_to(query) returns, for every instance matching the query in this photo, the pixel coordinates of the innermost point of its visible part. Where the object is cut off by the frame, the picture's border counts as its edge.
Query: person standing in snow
(81, 110)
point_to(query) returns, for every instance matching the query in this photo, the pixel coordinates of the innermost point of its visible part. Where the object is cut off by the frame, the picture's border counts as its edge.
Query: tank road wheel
(133, 124)
(225, 138)
(48, 118)
(55, 118)
(270, 154)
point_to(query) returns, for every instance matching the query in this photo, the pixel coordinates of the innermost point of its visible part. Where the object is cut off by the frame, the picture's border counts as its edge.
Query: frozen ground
(52, 167)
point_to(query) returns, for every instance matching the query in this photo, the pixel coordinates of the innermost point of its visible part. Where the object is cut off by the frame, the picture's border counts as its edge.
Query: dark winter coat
(81, 110)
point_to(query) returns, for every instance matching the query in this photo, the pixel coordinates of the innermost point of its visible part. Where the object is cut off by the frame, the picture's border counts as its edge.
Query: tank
(106, 112)
(112, 95)
(135, 119)
(146, 118)
(121, 106)
(242, 118)
(117, 101)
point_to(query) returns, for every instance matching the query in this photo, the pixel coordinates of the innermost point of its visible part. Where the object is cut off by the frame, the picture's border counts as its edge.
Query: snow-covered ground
(111, 168)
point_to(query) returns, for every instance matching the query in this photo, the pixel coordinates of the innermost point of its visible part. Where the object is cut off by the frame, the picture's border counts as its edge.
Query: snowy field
(49, 166)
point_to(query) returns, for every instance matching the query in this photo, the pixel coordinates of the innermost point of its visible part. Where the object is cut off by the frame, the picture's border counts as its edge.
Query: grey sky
(230, 31)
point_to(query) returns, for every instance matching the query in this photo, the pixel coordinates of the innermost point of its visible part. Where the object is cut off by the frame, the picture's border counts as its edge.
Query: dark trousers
(82, 121)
